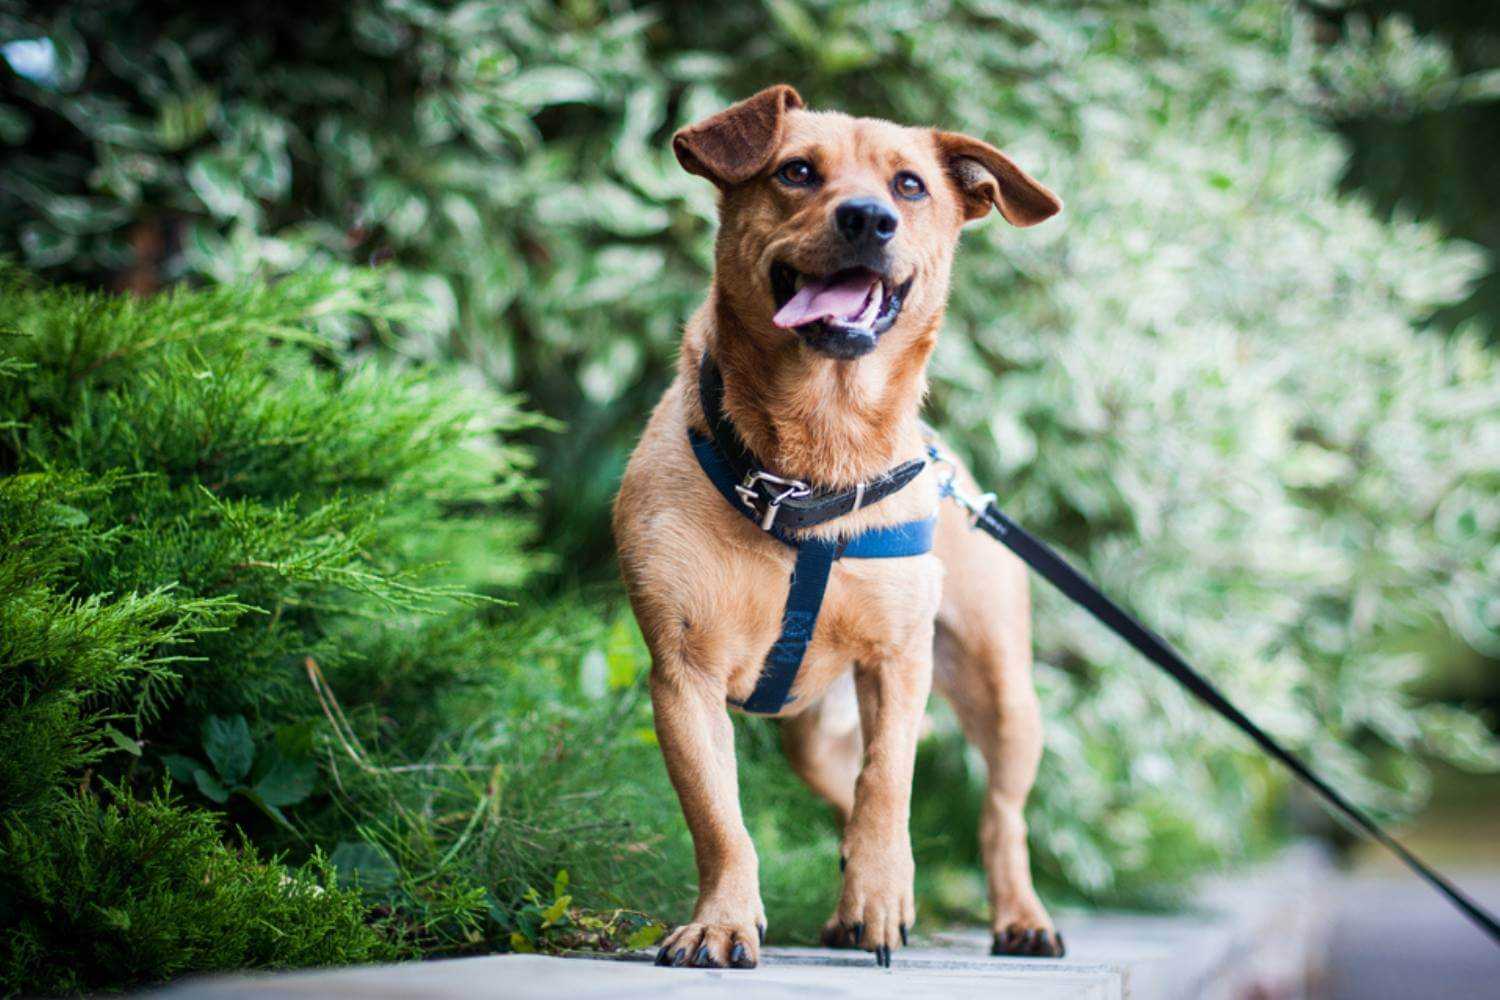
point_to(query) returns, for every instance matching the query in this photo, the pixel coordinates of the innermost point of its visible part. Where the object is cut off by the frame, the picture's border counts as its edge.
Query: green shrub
(140, 892)
(202, 509)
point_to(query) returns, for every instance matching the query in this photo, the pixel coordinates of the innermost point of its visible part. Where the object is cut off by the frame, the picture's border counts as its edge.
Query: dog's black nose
(866, 223)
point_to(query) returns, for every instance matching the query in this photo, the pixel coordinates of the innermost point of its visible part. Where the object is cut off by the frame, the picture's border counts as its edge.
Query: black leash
(1056, 571)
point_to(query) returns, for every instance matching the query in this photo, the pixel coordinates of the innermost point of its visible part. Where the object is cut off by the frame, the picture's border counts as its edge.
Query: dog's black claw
(1029, 941)
(700, 957)
(885, 955)
(904, 942)
(859, 934)
(679, 957)
(739, 957)
(662, 958)
(761, 930)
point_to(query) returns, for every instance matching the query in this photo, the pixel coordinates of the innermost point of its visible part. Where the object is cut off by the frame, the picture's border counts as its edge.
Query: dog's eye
(796, 173)
(909, 186)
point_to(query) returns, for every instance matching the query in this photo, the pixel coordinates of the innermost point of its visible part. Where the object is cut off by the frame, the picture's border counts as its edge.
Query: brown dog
(836, 239)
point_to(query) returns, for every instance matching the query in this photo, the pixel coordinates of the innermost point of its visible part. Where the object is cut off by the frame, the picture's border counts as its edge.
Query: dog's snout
(865, 223)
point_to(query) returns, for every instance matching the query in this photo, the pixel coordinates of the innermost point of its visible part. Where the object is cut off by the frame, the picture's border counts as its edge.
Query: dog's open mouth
(841, 314)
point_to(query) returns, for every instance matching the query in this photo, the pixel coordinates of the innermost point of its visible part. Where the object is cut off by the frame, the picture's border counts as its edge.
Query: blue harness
(775, 505)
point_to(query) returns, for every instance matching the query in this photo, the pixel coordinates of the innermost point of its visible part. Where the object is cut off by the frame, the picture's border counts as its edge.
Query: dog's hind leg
(983, 668)
(824, 746)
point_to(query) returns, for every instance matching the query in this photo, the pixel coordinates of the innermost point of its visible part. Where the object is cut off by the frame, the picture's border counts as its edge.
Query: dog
(832, 262)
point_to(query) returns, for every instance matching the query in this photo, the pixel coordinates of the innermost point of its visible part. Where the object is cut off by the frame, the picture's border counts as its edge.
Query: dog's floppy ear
(984, 176)
(736, 144)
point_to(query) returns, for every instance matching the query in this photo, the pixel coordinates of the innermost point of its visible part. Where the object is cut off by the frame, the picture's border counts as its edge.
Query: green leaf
(364, 864)
(288, 781)
(557, 911)
(181, 768)
(66, 516)
(216, 180)
(122, 741)
(295, 739)
(645, 936)
(547, 85)
(276, 815)
(183, 118)
(46, 246)
(796, 22)
(209, 786)
(560, 883)
(228, 745)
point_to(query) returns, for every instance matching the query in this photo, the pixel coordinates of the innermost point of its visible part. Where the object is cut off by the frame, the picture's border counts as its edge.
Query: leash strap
(1056, 571)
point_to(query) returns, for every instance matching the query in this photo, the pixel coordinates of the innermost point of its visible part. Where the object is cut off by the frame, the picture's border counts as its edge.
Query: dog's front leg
(697, 740)
(877, 904)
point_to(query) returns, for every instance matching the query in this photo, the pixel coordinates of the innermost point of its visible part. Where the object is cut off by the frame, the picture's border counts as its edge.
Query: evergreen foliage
(198, 498)
(140, 891)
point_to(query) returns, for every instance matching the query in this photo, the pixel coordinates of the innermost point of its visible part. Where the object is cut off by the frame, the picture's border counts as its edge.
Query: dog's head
(843, 229)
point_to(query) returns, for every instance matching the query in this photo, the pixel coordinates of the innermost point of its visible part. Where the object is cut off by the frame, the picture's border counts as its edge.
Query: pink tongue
(843, 297)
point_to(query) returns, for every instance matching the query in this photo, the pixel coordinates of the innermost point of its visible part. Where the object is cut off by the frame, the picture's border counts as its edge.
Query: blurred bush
(1205, 379)
(1433, 158)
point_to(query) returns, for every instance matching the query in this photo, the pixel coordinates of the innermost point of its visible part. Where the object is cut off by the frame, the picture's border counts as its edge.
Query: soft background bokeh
(1247, 379)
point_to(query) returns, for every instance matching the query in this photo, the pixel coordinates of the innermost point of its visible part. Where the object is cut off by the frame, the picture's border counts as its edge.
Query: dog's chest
(874, 610)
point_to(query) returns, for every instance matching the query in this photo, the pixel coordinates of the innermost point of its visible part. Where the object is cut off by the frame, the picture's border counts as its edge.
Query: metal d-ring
(795, 489)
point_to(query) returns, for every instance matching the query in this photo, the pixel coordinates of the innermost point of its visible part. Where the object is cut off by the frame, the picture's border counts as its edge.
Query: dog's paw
(877, 906)
(713, 946)
(1032, 940)
(836, 935)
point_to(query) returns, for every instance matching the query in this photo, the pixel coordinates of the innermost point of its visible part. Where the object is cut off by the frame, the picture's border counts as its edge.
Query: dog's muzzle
(840, 315)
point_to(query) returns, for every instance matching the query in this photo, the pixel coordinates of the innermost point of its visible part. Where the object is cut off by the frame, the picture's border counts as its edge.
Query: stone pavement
(1393, 937)
(1258, 935)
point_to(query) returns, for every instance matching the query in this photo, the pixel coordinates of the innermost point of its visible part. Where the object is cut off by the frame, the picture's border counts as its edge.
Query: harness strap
(804, 600)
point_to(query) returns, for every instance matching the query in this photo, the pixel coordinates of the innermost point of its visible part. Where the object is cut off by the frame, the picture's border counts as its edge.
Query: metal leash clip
(947, 478)
(796, 489)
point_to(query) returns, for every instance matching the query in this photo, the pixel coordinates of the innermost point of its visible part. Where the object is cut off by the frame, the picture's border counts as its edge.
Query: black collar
(788, 504)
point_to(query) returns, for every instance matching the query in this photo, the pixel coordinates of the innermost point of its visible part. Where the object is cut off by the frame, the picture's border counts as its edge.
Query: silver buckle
(795, 489)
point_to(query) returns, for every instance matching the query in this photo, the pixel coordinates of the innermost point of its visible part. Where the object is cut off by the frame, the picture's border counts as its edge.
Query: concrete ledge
(1260, 934)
